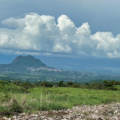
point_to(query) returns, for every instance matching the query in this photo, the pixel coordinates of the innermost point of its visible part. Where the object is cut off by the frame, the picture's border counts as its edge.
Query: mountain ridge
(22, 63)
(28, 61)
(32, 69)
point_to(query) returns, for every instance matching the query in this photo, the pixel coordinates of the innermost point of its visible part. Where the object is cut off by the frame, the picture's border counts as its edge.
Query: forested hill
(22, 64)
(28, 61)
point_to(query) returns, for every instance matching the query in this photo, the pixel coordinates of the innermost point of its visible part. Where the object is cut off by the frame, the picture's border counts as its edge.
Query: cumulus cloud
(41, 33)
(12, 22)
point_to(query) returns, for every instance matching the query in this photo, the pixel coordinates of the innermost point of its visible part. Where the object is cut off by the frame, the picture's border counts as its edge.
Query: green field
(56, 98)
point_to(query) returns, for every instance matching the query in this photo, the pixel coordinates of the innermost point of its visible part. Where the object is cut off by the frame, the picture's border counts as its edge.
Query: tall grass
(62, 98)
(55, 98)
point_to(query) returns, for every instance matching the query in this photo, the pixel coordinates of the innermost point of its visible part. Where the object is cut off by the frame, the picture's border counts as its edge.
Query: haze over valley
(29, 68)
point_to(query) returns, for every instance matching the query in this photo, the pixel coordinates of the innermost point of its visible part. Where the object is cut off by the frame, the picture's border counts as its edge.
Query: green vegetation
(32, 97)
(25, 68)
(7, 87)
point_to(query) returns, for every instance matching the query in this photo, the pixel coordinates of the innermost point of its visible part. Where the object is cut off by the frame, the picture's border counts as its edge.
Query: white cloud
(12, 22)
(31, 53)
(41, 33)
(66, 26)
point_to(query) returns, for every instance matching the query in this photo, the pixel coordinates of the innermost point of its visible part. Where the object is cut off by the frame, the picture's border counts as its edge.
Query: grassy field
(56, 98)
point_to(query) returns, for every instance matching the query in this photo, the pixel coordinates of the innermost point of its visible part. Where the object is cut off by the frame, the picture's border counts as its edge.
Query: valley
(28, 68)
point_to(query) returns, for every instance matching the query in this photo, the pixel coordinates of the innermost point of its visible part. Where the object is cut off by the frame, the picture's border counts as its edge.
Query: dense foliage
(108, 85)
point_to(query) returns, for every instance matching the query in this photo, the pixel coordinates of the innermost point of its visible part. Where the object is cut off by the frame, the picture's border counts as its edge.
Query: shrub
(76, 85)
(45, 84)
(111, 88)
(60, 84)
(70, 83)
(15, 107)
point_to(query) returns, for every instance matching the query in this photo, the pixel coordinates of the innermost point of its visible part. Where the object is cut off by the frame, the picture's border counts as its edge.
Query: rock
(23, 114)
(99, 119)
(97, 112)
(4, 118)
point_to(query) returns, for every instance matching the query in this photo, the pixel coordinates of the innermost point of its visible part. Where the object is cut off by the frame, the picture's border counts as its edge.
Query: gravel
(83, 112)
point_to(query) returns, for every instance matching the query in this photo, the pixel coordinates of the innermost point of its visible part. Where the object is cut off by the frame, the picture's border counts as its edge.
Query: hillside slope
(21, 64)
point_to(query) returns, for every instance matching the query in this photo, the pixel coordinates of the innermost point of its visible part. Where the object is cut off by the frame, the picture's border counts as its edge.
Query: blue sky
(88, 28)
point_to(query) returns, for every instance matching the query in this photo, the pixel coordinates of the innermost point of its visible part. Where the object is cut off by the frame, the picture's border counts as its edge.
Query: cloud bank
(41, 33)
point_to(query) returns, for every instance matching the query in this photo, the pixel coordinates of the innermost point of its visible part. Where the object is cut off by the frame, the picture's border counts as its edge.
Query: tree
(108, 83)
(70, 83)
(26, 85)
(60, 84)
(45, 84)
(17, 82)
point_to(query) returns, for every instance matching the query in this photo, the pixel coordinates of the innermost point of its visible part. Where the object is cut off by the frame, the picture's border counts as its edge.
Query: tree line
(106, 84)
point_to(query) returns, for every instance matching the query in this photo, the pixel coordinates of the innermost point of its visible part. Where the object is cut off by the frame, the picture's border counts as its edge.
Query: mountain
(22, 64)
(28, 61)
(32, 69)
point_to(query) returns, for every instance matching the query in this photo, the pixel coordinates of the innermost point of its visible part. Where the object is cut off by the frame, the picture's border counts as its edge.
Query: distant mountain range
(32, 69)
(109, 66)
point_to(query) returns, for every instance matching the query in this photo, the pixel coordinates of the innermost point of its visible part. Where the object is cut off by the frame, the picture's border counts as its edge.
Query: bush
(45, 84)
(60, 84)
(96, 86)
(111, 88)
(4, 111)
(76, 85)
(70, 83)
(15, 107)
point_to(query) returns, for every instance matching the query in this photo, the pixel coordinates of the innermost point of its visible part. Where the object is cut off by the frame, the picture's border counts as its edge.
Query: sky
(64, 28)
